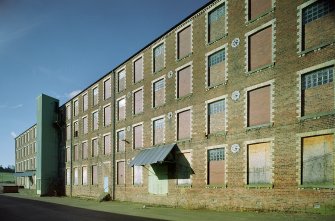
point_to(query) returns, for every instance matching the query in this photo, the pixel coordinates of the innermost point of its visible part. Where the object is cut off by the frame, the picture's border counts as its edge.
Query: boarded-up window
(68, 132)
(95, 148)
(318, 160)
(216, 23)
(107, 89)
(95, 96)
(158, 57)
(317, 91)
(85, 125)
(259, 108)
(68, 112)
(68, 177)
(216, 116)
(138, 175)
(216, 68)
(184, 125)
(94, 175)
(120, 173)
(184, 79)
(318, 24)
(138, 102)
(95, 119)
(76, 152)
(259, 164)
(138, 70)
(216, 167)
(159, 92)
(120, 140)
(121, 83)
(183, 168)
(158, 131)
(138, 136)
(84, 150)
(260, 49)
(76, 108)
(75, 129)
(68, 154)
(107, 115)
(121, 107)
(85, 102)
(258, 7)
(84, 175)
(75, 176)
(107, 144)
(184, 42)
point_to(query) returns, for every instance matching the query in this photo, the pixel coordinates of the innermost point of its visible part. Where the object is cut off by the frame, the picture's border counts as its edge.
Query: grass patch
(7, 177)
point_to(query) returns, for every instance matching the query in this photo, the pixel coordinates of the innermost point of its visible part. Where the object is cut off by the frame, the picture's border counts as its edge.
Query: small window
(138, 136)
(184, 42)
(259, 106)
(121, 107)
(107, 115)
(216, 68)
(137, 175)
(95, 147)
(107, 89)
(68, 154)
(317, 91)
(258, 7)
(216, 23)
(184, 125)
(159, 58)
(138, 101)
(158, 131)
(85, 102)
(159, 92)
(184, 81)
(85, 125)
(68, 112)
(216, 167)
(76, 152)
(76, 108)
(183, 168)
(259, 164)
(75, 129)
(95, 119)
(138, 70)
(121, 83)
(120, 173)
(107, 144)
(75, 176)
(84, 150)
(216, 116)
(84, 175)
(94, 175)
(68, 132)
(95, 96)
(121, 139)
(68, 177)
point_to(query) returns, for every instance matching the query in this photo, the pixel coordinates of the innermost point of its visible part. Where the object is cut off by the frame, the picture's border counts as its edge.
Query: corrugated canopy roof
(152, 155)
(23, 174)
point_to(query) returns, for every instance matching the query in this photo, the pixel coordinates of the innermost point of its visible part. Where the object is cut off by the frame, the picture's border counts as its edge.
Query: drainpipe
(113, 137)
(71, 152)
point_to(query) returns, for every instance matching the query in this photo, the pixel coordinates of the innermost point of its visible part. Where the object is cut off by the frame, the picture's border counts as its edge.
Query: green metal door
(158, 179)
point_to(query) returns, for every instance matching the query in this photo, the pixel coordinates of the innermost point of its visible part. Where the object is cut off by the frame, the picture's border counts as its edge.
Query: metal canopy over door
(158, 179)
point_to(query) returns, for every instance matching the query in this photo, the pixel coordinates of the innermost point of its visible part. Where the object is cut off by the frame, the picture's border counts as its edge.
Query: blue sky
(60, 47)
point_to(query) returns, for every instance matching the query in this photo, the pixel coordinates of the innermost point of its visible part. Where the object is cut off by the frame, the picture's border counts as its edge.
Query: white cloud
(17, 106)
(13, 134)
(4, 106)
(73, 94)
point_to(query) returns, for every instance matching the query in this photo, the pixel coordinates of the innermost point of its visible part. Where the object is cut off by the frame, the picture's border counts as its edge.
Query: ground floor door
(106, 189)
(158, 179)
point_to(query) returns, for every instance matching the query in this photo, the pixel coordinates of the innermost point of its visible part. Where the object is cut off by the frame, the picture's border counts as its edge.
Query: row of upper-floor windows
(316, 164)
(26, 137)
(26, 151)
(29, 164)
(260, 49)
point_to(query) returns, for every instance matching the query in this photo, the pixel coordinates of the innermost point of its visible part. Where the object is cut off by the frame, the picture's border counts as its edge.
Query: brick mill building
(233, 107)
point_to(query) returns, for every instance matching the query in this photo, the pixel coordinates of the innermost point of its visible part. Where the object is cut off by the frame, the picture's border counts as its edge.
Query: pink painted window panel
(184, 81)
(121, 109)
(138, 136)
(76, 152)
(138, 70)
(95, 175)
(138, 102)
(259, 106)
(121, 141)
(107, 89)
(85, 102)
(184, 125)
(159, 130)
(84, 150)
(95, 120)
(121, 80)
(95, 96)
(107, 144)
(85, 125)
(107, 115)
(120, 173)
(95, 148)
(184, 42)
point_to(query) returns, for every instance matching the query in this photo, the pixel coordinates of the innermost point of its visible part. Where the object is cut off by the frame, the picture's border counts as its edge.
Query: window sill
(257, 127)
(259, 186)
(183, 58)
(260, 16)
(222, 186)
(314, 49)
(157, 107)
(184, 97)
(316, 116)
(187, 140)
(215, 86)
(262, 68)
(159, 71)
(137, 185)
(317, 186)
(119, 92)
(120, 121)
(138, 114)
(138, 82)
(183, 186)
(218, 39)
(216, 134)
